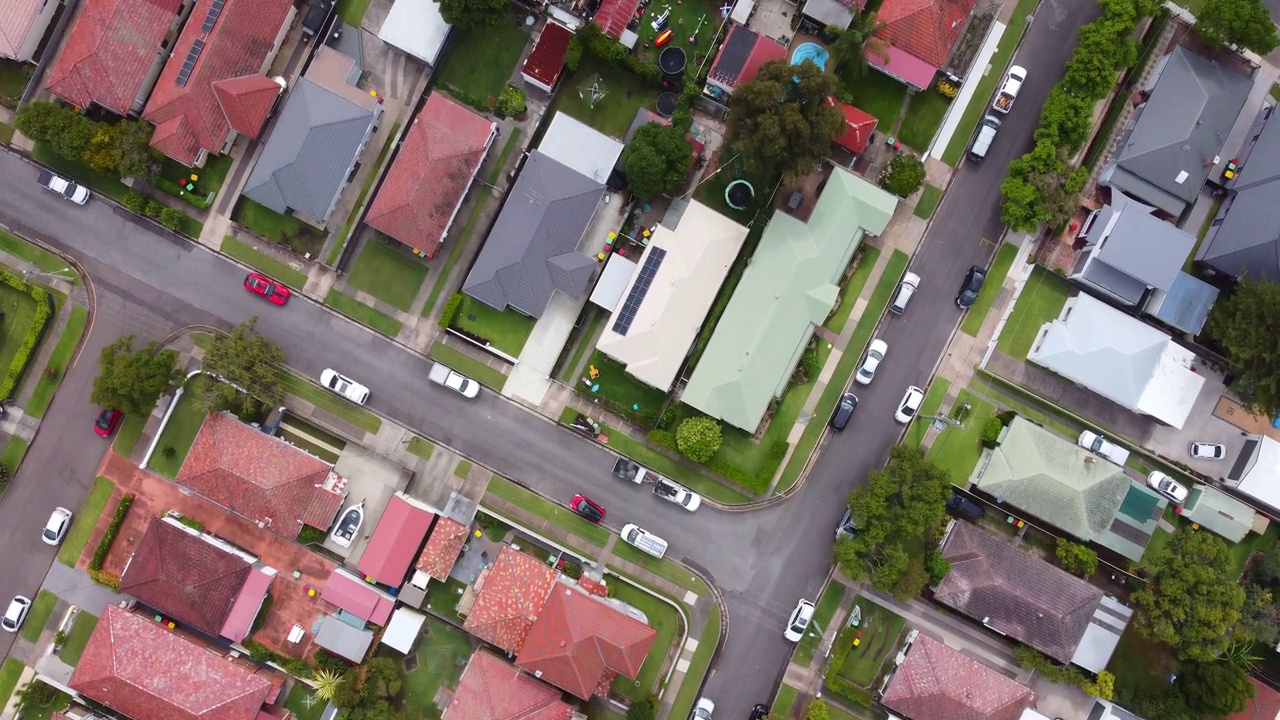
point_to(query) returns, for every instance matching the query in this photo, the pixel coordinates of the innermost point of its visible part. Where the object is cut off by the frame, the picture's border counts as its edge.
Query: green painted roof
(789, 288)
(1218, 512)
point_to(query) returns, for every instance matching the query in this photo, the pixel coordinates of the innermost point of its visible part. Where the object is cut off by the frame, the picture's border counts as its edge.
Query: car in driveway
(799, 621)
(960, 506)
(1099, 445)
(971, 286)
(587, 509)
(266, 288)
(55, 529)
(16, 614)
(702, 709)
(1175, 491)
(342, 385)
(107, 422)
(910, 405)
(875, 353)
(844, 411)
(1207, 451)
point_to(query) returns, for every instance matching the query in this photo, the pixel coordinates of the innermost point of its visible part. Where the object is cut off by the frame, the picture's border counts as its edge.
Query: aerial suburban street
(149, 283)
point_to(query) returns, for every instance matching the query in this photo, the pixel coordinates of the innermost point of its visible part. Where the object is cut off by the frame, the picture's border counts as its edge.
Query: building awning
(358, 597)
(403, 629)
(1187, 304)
(396, 541)
(343, 640)
(904, 66)
(245, 609)
(617, 273)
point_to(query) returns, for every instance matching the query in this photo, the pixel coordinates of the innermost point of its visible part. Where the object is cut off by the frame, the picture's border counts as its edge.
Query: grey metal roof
(829, 12)
(312, 148)
(342, 639)
(1186, 305)
(1180, 129)
(1146, 248)
(532, 249)
(1247, 242)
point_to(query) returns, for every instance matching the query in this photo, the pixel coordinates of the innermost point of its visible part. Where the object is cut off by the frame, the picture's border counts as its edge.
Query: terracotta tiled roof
(421, 193)
(509, 596)
(926, 29)
(546, 60)
(492, 689)
(182, 576)
(247, 101)
(443, 546)
(858, 126)
(614, 15)
(108, 51)
(188, 118)
(17, 17)
(395, 541)
(147, 672)
(260, 477)
(1265, 704)
(578, 642)
(938, 683)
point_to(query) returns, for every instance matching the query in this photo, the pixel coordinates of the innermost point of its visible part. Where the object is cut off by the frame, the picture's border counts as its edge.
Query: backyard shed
(543, 64)
(403, 630)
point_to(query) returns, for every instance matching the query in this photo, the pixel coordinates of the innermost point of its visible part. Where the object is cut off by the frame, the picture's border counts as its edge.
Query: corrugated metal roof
(1218, 512)
(1187, 304)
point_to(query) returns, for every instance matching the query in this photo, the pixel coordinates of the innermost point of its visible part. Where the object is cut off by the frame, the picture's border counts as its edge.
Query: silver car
(56, 528)
(875, 353)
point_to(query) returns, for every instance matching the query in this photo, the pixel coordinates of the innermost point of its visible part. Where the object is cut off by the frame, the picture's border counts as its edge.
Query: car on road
(587, 509)
(961, 506)
(971, 286)
(906, 289)
(1207, 451)
(13, 618)
(268, 289)
(759, 712)
(676, 493)
(344, 386)
(875, 353)
(910, 405)
(107, 421)
(68, 189)
(56, 527)
(844, 411)
(1167, 486)
(799, 621)
(847, 525)
(445, 376)
(702, 709)
(1102, 447)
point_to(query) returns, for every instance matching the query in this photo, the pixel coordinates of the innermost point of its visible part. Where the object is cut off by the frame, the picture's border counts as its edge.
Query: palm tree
(326, 683)
(849, 51)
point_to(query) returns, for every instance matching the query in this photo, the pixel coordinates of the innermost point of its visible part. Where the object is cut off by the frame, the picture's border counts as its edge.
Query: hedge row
(756, 483)
(108, 537)
(44, 311)
(260, 653)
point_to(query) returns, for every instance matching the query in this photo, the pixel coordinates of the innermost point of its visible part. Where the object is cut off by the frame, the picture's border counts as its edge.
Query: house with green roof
(1218, 512)
(788, 290)
(1049, 479)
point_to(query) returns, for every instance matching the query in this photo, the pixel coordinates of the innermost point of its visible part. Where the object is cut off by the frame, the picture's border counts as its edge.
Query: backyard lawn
(442, 652)
(82, 525)
(506, 330)
(686, 17)
(822, 614)
(19, 311)
(1040, 302)
(284, 229)
(928, 202)
(880, 630)
(957, 449)
(362, 313)
(924, 115)
(299, 701)
(81, 629)
(878, 94)
(480, 61)
(663, 618)
(388, 271)
(624, 94)
(442, 597)
(267, 264)
(184, 425)
(974, 318)
(1141, 666)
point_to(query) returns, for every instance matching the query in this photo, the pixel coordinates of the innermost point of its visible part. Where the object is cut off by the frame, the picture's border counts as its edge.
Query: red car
(586, 509)
(107, 421)
(260, 284)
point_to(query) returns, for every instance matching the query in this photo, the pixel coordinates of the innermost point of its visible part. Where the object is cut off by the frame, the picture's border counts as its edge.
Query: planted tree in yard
(130, 380)
(889, 568)
(643, 709)
(1191, 602)
(366, 691)
(42, 121)
(849, 51)
(1217, 688)
(1244, 323)
(817, 710)
(326, 682)
(250, 367)
(781, 121)
(1259, 616)
(698, 438)
(904, 175)
(474, 13)
(1238, 24)
(1075, 558)
(656, 160)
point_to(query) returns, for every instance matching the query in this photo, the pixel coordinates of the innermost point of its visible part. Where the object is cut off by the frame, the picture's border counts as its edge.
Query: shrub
(170, 218)
(698, 438)
(838, 685)
(108, 537)
(260, 653)
(191, 522)
(991, 433)
(44, 310)
(644, 709)
(663, 439)
(310, 536)
(37, 694)
(169, 452)
(936, 566)
(134, 202)
(1075, 558)
(325, 660)
(1007, 417)
(59, 638)
(904, 175)
(296, 667)
(574, 56)
(450, 310)
(811, 364)
(263, 610)
(510, 102)
(104, 578)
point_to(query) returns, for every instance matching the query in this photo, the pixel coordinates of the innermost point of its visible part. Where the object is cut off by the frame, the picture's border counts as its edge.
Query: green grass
(19, 315)
(625, 93)
(1140, 665)
(468, 366)
(42, 395)
(269, 265)
(785, 700)
(46, 261)
(559, 515)
(95, 501)
(9, 674)
(81, 629)
(421, 447)
(363, 314)
(683, 21)
(1014, 29)
(442, 653)
(616, 385)
(1159, 539)
(659, 462)
(180, 433)
(211, 176)
(852, 289)
(14, 451)
(582, 343)
(43, 712)
(1024, 403)
(1189, 264)
(932, 402)
(698, 666)
(506, 330)
(977, 314)
(388, 271)
(285, 229)
(442, 597)
(129, 433)
(663, 618)
(328, 402)
(660, 567)
(345, 237)
(880, 630)
(14, 77)
(6, 134)
(1252, 542)
(38, 616)
(924, 114)
(878, 94)
(822, 614)
(957, 449)
(1275, 91)
(928, 203)
(1041, 301)
(296, 702)
(480, 61)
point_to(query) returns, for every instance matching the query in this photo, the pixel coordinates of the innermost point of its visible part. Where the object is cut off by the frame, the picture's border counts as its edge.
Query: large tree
(130, 380)
(474, 13)
(781, 121)
(1218, 688)
(656, 160)
(1245, 322)
(249, 366)
(1190, 603)
(1238, 23)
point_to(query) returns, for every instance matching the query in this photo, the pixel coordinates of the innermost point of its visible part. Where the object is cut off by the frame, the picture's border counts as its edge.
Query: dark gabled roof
(1247, 241)
(1134, 250)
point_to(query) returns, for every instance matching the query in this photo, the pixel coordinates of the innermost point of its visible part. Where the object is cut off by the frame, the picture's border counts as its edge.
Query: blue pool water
(810, 51)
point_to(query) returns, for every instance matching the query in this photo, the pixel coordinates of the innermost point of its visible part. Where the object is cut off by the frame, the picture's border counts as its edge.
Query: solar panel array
(189, 64)
(638, 290)
(212, 16)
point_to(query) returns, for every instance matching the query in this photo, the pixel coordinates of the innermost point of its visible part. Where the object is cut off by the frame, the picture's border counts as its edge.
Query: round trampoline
(667, 102)
(738, 194)
(672, 60)
(810, 51)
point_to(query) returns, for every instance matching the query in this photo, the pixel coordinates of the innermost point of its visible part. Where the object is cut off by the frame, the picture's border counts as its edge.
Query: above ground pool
(810, 51)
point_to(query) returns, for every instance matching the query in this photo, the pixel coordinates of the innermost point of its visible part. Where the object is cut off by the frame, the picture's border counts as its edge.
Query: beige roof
(698, 255)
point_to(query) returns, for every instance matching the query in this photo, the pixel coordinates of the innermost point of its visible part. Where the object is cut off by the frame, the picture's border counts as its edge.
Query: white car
(875, 353)
(56, 528)
(1167, 486)
(1102, 447)
(344, 386)
(910, 405)
(1207, 451)
(799, 622)
(703, 709)
(16, 614)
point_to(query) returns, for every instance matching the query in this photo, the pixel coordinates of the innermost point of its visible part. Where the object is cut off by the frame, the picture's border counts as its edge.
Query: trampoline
(667, 102)
(672, 60)
(738, 194)
(810, 51)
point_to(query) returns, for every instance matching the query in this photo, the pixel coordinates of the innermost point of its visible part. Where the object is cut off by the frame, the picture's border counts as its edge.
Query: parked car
(961, 506)
(272, 291)
(970, 287)
(799, 621)
(676, 493)
(986, 135)
(107, 421)
(587, 509)
(1167, 486)
(875, 353)
(844, 411)
(847, 525)
(702, 709)
(346, 387)
(441, 374)
(910, 405)
(16, 614)
(1207, 451)
(759, 712)
(68, 189)
(644, 540)
(906, 289)
(1103, 447)
(55, 529)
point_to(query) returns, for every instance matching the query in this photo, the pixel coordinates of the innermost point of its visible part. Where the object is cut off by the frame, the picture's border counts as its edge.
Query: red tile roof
(546, 60)
(614, 15)
(766, 50)
(926, 29)
(247, 101)
(365, 601)
(182, 576)
(1265, 704)
(141, 669)
(421, 194)
(939, 683)
(858, 126)
(444, 544)
(260, 477)
(17, 18)
(492, 689)
(579, 643)
(395, 541)
(189, 118)
(108, 51)
(510, 595)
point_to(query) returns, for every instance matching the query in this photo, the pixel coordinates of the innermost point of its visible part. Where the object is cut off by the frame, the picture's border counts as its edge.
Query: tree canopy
(1238, 23)
(1244, 323)
(656, 160)
(473, 13)
(1191, 602)
(781, 122)
(250, 366)
(1218, 688)
(698, 438)
(366, 692)
(119, 148)
(849, 51)
(130, 380)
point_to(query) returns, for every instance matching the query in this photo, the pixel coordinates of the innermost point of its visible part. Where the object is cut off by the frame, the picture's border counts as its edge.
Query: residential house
(935, 682)
(1219, 513)
(1244, 237)
(1264, 705)
(416, 28)
(741, 56)
(543, 64)
(859, 128)
(112, 54)
(787, 291)
(1176, 136)
(1032, 601)
(613, 16)
(195, 114)
(317, 140)
(915, 39)
(508, 595)
(681, 271)
(493, 689)
(196, 579)
(1121, 358)
(395, 542)
(1052, 480)
(437, 162)
(22, 25)
(261, 478)
(445, 542)
(831, 13)
(362, 600)
(144, 670)
(1256, 472)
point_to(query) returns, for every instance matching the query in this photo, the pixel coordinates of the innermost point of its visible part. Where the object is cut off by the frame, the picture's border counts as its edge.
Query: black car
(961, 506)
(844, 411)
(759, 711)
(969, 288)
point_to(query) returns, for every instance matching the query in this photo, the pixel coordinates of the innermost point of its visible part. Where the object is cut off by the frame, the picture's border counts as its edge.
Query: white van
(986, 135)
(644, 540)
(906, 289)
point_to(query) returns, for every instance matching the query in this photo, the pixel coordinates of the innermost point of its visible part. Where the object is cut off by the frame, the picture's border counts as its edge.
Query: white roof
(579, 146)
(1031, 714)
(698, 255)
(613, 281)
(1262, 479)
(1120, 358)
(403, 629)
(417, 28)
(1102, 635)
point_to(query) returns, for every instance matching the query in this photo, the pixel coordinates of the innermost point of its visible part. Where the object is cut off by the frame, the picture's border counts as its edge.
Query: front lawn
(468, 365)
(388, 271)
(924, 115)
(284, 229)
(506, 330)
(556, 514)
(480, 61)
(663, 618)
(957, 449)
(105, 184)
(621, 391)
(876, 93)
(59, 359)
(81, 629)
(822, 614)
(326, 401)
(624, 94)
(877, 640)
(698, 666)
(362, 313)
(14, 77)
(37, 256)
(352, 11)
(9, 674)
(180, 433)
(853, 288)
(38, 616)
(928, 202)
(95, 501)
(1041, 301)
(210, 177)
(268, 265)
(442, 652)
(19, 312)
(990, 290)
